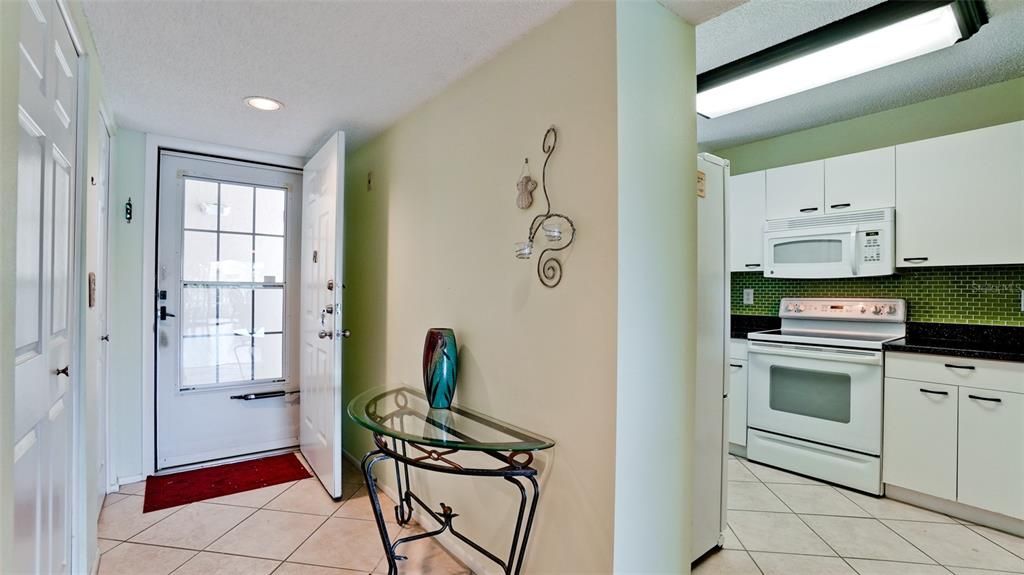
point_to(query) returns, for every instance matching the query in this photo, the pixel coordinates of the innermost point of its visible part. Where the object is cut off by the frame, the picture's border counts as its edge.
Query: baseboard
(129, 479)
(958, 510)
(738, 450)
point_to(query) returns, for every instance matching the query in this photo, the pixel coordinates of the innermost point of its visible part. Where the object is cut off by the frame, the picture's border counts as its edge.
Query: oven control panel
(891, 310)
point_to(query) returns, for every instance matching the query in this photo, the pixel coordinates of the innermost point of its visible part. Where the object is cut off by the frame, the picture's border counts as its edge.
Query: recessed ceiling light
(265, 104)
(885, 34)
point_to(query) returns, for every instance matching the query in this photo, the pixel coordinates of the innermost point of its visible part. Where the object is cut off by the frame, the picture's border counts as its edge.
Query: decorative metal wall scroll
(549, 267)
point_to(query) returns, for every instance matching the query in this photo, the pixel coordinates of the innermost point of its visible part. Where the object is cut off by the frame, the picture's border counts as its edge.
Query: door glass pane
(269, 263)
(199, 256)
(198, 311)
(818, 394)
(235, 208)
(234, 315)
(235, 258)
(820, 251)
(201, 205)
(234, 358)
(198, 361)
(267, 355)
(270, 211)
(268, 311)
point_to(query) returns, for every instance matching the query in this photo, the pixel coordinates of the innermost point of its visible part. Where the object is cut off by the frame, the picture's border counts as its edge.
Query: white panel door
(990, 466)
(321, 332)
(960, 198)
(45, 311)
(226, 269)
(861, 181)
(746, 222)
(102, 295)
(795, 191)
(919, 451)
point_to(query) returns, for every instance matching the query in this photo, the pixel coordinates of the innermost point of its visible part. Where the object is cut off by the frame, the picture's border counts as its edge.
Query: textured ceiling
(697, 11)
(181, 68)
(994, 54)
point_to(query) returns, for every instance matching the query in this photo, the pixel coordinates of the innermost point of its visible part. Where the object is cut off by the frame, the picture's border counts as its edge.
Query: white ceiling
(994, 54)
(182, 67)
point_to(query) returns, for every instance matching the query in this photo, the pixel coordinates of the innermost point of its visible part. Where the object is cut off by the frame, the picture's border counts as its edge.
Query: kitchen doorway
(227, 300)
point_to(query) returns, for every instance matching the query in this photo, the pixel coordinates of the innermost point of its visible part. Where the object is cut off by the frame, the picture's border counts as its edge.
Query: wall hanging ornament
(440, 364)
(559, 230)
(525, 187)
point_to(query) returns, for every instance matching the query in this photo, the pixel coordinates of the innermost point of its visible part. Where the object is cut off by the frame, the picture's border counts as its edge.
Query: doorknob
(105, 337)
(324, 334)
(164, 314)
(345, 333)
(62, 371)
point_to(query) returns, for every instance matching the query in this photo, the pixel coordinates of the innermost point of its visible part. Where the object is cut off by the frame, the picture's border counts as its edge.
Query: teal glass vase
(440, 366)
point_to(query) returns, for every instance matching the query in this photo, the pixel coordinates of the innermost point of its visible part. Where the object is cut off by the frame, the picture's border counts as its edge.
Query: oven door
(813, 253)
(826, 395)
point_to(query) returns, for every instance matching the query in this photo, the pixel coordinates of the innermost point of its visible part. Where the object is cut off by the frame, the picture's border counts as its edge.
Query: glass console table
(407, 431)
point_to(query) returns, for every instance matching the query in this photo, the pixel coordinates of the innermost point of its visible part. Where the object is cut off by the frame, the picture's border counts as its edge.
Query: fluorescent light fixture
(263, 103)
(885, 34)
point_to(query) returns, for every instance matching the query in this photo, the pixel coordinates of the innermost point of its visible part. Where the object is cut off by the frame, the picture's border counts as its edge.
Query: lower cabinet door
(920, 437)
(738, 402)
(991, 459)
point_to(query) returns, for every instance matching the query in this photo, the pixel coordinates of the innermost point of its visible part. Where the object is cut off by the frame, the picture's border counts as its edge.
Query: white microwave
(846, 245)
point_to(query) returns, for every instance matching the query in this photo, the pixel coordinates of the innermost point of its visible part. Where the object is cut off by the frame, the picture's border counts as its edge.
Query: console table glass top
(403, 413)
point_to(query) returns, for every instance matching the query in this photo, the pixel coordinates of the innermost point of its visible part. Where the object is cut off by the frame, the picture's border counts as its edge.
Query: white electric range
(815, 388)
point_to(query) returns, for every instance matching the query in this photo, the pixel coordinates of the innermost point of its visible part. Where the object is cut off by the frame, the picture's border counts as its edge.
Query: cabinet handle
(751, 265)
(933, 392)
(736, 365)
(839, 206)
(915, 260)
(980, 398)
(955, 366)
(808, 210)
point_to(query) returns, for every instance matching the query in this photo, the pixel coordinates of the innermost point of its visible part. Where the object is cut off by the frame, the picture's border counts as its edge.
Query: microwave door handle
(853, 251)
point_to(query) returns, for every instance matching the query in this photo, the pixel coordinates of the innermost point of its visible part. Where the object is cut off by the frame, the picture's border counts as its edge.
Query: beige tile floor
(288, 529)
(784, 524)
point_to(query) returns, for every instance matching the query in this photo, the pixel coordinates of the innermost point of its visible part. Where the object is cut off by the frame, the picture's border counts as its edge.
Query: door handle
(751, 265)
(345, 333)
(980, 398)
(736, 365)
(915, 260)
(933, 392)
(839, 206)
(105, 338)
(164, 314)
(325, 334)
(955, 366)
(62, 371)
(808, 210)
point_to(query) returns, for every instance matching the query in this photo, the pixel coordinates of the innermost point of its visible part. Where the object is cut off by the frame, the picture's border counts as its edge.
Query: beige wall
(431, 244)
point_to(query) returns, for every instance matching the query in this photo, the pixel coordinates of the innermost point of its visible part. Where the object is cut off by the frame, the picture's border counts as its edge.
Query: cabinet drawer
(982, 373)
(738, 349)
(920, 437)
(990, 468)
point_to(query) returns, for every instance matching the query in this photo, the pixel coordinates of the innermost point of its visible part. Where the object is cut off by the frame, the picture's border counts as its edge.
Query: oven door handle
(808, 352)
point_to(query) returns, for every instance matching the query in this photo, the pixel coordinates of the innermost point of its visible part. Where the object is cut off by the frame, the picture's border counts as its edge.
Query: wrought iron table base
(516, 470)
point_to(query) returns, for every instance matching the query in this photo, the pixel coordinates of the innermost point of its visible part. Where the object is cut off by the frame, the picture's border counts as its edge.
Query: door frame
(147, 315)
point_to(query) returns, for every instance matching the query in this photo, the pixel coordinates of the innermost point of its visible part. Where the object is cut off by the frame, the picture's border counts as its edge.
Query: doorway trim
(147, 327)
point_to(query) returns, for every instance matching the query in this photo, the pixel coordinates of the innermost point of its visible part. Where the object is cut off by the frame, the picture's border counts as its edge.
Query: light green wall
(9, 18)
(656, 336)
(126, 244)
(978, 108)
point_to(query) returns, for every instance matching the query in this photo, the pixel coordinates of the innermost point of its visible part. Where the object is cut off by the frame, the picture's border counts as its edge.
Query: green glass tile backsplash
(969, 294)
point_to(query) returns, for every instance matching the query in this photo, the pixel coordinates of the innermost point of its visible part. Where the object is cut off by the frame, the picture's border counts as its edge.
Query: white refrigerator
(713, 316)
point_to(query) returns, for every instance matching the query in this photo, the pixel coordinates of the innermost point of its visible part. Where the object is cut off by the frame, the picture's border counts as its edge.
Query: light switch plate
(748, 296)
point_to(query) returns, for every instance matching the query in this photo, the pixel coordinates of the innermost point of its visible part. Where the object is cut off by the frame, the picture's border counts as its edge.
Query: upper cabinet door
(862, 181)
(960, 198)
(794, 191)
(746, 222)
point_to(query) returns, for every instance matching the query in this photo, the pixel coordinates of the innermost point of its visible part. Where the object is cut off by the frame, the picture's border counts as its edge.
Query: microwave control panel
(871, 247)
(844, 309)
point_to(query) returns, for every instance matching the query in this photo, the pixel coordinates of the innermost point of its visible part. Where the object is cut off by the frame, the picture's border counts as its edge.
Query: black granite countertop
(744, 324)
(974, 341)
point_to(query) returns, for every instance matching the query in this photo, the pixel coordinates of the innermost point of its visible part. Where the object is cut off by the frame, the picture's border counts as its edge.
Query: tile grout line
(993, 541)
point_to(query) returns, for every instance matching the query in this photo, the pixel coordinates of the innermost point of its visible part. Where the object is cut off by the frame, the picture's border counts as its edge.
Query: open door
(321, 331)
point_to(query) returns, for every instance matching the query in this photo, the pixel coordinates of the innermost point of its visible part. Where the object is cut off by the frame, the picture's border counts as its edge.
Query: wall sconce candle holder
(559, 229)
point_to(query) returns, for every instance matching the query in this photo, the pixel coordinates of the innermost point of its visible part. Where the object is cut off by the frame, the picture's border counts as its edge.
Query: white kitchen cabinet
(738, 401)
(991, 452)
(861, 181)
(960, 198)
(796, 190)
(920, 430)
(746, 221)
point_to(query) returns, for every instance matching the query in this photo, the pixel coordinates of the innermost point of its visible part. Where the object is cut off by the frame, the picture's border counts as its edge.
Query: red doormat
(163, 491)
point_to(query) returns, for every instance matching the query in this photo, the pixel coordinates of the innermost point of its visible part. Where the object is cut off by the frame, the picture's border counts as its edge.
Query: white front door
(45, 314)
(102, 299)
(323, 205)
(227, 251)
